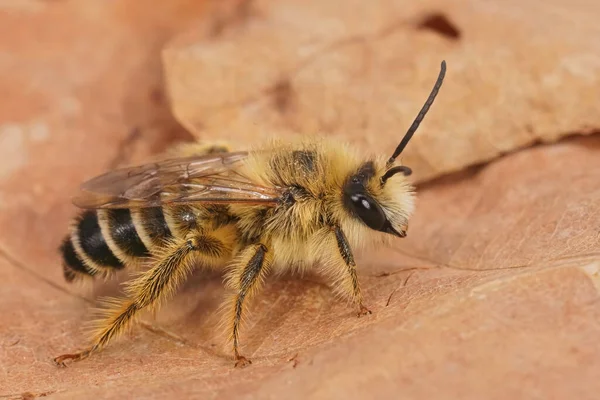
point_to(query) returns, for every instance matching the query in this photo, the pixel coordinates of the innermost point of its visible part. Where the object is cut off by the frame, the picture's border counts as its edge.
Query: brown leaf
(493, 294)
(361, 70)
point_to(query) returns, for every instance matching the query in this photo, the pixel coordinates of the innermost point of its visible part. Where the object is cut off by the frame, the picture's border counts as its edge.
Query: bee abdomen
(151, 226)
(106, 240)
(90, 247)
(73, 265)
(121, 235)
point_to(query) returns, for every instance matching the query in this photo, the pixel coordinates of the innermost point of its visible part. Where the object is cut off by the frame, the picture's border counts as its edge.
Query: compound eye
(368, 211)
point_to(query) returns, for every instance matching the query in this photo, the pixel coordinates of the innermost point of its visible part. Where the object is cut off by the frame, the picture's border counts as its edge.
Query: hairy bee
(278, 207)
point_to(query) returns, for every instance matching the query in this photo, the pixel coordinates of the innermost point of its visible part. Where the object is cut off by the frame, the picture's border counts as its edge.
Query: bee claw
(363, 311)
(59, 363)
(242, 362)
(60, 360)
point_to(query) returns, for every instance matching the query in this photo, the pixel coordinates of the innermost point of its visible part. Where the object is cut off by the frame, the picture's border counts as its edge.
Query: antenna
(413, 128)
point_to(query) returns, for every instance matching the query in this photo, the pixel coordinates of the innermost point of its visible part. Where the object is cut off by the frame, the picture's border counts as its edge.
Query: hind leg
(148, 290)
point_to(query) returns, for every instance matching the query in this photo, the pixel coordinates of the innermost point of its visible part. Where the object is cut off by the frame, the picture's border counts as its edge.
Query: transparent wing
(207, 179)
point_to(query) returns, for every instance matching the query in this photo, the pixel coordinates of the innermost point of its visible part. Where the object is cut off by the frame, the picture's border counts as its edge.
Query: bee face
(380, 204)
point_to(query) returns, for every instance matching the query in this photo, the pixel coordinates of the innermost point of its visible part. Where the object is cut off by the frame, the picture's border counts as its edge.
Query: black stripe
(124, 234)
(155, 224)
(72, 262)
(93, 243)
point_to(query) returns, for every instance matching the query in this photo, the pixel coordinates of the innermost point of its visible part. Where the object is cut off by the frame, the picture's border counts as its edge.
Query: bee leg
(154, 285)
(352, 288)
(245, 277)
(82, 355)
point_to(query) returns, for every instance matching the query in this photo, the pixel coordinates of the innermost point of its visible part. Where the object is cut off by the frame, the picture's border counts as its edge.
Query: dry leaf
(361, 71)
(494, 294)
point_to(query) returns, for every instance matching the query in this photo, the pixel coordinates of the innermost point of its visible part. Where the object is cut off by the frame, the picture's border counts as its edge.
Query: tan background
(494, 294)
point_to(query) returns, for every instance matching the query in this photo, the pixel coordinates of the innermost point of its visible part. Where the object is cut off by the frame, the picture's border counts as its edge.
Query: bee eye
(368, 211)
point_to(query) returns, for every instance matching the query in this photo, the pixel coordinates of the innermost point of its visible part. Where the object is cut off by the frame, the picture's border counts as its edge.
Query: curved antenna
(402, 169)
(420, 116)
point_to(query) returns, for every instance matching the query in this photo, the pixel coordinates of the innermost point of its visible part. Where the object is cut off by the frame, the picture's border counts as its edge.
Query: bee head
(384, 209)
(371, 195)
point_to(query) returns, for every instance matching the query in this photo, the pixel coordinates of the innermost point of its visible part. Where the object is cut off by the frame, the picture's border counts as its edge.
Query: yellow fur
(296, 237)
(330, 202)
(335, 163)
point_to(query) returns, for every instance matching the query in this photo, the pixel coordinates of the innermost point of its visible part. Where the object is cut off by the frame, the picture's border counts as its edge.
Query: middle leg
(246, 276)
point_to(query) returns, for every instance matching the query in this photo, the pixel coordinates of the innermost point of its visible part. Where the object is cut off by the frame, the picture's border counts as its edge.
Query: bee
(279, 207)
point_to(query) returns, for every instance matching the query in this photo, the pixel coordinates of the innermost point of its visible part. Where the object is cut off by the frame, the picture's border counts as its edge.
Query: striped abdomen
(103, 241)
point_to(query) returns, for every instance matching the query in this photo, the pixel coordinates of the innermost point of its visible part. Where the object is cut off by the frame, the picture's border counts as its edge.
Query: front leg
(340, 265)
(247, 273)
(353, 289)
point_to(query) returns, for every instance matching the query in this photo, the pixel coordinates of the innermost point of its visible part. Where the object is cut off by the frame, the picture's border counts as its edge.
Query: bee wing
(197, 179)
